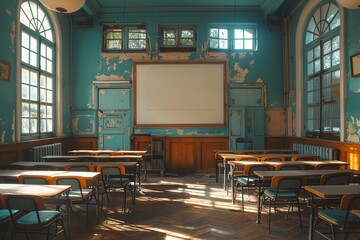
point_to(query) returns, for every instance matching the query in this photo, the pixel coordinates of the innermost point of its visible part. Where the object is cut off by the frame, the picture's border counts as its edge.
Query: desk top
(288, 156)
(45, 191)
(268, 175)
(16, 173)
(108, 152)
(308, 163)
(94, 157)
(332, 191)
(258, 151)
(60, 165)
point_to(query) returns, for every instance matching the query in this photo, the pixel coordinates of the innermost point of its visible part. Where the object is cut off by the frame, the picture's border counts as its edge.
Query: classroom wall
(352, 85)
(264, 66)
(8, 92)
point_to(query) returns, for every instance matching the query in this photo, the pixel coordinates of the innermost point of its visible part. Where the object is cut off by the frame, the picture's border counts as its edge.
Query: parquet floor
(183, 207)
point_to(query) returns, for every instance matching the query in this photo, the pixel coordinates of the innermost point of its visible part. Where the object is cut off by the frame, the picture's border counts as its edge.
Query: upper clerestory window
(124, 37)
(239, 37)
(177, 38)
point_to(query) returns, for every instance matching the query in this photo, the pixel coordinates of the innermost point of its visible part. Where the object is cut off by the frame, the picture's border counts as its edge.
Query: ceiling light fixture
(63, 6)
(352, 4)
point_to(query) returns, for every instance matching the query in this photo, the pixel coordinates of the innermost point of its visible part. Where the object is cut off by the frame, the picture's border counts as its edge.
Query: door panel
(114, 118)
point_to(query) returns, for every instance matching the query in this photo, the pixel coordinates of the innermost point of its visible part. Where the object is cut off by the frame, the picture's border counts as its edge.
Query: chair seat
(5, 214)
(30, 220)
(246, 180)
(338, 217)
(76, 194)
(285, 194)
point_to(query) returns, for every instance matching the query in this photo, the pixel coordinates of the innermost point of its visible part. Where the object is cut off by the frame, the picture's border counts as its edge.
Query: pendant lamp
(352, 4)
(63, 6)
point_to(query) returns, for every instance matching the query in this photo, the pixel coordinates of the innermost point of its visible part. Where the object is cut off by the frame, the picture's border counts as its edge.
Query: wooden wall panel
(14, 152)
(192, 154)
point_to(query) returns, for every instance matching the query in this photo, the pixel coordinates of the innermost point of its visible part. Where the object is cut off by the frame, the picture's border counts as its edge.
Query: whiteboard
(190, 93)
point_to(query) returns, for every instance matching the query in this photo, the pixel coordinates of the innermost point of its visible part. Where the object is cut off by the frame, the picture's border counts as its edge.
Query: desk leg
(311, 220)
(224, 174)
(138, 176)
(258, 221)
(97, 201)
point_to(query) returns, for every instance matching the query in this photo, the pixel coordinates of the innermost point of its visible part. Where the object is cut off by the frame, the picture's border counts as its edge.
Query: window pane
(25, 55)
(33, 126)
(248, 33)
(214, 43)
(214, 32)
(25, 111)
(239, 33)
(248, 44)
(223, 33)
(33, 78)
(223, 44)
(33, 94)
(336, 58)
(25, 126)
(327, 61)
(49, 97)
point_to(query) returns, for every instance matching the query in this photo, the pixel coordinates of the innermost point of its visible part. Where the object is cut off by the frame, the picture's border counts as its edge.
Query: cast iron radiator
(37, 152)
(325, 153)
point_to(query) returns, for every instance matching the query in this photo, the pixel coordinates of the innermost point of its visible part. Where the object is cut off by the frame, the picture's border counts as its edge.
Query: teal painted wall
(352, 85)
(352, 18)
(90, 63)
(8, 94)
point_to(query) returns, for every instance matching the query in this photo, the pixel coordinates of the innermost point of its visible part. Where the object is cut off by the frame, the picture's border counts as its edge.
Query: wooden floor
(183, 207)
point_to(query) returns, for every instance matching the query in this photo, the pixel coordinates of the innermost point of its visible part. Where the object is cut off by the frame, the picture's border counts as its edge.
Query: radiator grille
(37, 152)
(325, 153)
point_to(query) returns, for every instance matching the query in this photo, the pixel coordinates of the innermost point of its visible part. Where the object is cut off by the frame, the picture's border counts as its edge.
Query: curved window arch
(37, 72)
(321, 81)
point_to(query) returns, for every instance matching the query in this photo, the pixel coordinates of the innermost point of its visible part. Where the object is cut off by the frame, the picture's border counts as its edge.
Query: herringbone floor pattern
(185, 207)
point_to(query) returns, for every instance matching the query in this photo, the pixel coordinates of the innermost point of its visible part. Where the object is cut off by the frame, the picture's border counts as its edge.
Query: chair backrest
(350, 201)
(249, 169)
(339, 178)
(32, 179)
(293, 183)
(273, 158)
(327, 166)
(77, 183)
(304, 158)
(111, 170)
(80, 167)
(284, 166)
(22, 202)
(247, 158)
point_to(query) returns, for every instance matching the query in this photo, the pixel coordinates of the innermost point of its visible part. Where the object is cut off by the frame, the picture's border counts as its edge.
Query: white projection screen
(179, 94)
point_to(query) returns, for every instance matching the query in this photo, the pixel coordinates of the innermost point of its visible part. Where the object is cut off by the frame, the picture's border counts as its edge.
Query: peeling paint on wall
(3, 137)
(241, 73)
(357, 90)
(13, 127)
(353, 129)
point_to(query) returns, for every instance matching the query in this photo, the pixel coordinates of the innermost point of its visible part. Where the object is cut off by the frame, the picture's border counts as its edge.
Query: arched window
(322, 73)
(37, 72)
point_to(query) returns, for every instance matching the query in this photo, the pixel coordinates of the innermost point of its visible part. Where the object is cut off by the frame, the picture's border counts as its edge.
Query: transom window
(182, 38)
(118, 38)
(37, 72)
(243, 37)
(322, 78)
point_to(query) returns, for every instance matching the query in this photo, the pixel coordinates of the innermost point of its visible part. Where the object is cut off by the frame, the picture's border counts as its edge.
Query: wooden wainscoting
(14, 152)
(192, 154)
(349, 152)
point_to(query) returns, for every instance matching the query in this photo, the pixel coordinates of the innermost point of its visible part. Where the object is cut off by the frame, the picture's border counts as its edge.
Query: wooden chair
(273, 158)
(85, 167)
(113, 178)
(34, 217)
(283, 190)
(247, 158)
(341, 218)
(5, 217)
(79, 192)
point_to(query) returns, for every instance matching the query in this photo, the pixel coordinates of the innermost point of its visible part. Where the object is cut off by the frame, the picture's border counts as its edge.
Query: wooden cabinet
(193, 154)
(182, 154)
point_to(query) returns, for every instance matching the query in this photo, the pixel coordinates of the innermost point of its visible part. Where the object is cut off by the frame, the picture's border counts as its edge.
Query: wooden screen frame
(154, 125)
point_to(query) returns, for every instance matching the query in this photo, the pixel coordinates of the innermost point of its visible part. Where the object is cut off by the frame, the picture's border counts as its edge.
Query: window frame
(231, 36)
(43, 38)
(178, 32)
(333, 73)
(125, 38)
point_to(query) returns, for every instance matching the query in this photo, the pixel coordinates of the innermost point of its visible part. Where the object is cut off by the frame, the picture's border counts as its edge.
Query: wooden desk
(93, 158)
(324, 192)
(356, 212)
(106, 152)
(44, 191)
